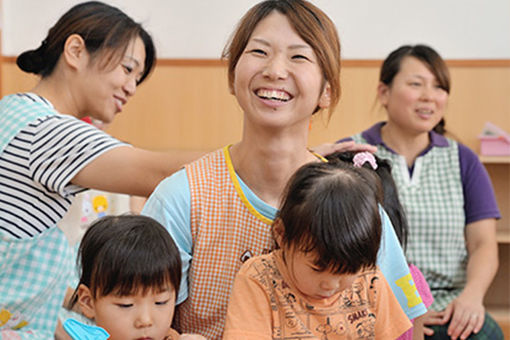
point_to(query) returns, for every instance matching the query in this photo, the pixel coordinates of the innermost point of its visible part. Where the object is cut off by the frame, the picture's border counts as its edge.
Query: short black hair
(123, 254)
(331, 209)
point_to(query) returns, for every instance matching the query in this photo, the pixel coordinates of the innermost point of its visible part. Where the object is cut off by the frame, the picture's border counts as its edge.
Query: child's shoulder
(256, 264)
(373, 277)
(370, 272)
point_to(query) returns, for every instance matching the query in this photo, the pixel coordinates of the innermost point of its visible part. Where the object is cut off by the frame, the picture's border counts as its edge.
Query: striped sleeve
(36, 168)
(62, 146)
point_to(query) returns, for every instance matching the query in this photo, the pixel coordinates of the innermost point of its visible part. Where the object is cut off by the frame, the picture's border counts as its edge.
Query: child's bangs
(132, 280)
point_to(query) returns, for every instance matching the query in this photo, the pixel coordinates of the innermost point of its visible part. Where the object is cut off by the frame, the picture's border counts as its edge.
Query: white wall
(369, 29)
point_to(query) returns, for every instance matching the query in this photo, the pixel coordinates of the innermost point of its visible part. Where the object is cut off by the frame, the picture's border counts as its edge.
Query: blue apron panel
(33, 276)
(16, 112)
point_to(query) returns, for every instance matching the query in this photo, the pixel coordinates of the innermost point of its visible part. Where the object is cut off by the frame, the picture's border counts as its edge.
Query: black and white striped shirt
(36, 168)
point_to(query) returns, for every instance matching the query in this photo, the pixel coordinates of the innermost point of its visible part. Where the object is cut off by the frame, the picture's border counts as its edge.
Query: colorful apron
(32, 271)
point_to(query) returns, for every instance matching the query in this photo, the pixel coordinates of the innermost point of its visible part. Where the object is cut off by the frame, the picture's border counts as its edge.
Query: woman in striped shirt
(90, 65)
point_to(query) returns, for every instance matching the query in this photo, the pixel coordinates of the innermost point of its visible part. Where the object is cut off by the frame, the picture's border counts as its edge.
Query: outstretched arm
(132, 171)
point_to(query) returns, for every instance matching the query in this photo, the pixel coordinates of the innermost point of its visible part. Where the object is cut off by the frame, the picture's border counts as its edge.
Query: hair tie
(362, 157)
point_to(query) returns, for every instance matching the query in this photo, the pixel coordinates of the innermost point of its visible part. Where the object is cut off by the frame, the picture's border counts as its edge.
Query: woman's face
(278, 81)
(415, 102)
(104, 91)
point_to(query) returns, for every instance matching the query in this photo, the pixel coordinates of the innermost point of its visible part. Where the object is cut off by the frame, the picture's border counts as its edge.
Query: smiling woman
(283, 67)
(445, 190)
(90, 65)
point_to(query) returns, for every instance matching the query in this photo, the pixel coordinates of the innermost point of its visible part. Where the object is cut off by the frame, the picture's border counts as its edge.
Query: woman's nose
(276, 68)
(427, 92)
(130, 86)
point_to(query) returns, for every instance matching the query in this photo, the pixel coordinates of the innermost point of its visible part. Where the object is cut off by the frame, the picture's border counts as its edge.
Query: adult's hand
(467, 316)
(329, 148)
(433, 318)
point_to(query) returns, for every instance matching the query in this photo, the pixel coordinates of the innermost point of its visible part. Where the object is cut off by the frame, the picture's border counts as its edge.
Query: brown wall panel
(187, 105)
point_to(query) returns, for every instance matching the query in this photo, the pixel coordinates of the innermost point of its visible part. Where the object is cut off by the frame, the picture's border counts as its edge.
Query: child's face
(314, 284)
(278, 81)
(131, 317)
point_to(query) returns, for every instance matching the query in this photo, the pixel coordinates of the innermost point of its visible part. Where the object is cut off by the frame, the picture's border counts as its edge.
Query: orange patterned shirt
(266, 305)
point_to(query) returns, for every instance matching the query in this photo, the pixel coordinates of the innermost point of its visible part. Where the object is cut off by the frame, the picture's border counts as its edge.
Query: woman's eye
(415, 84)
(300, 56)
(258, 51)
(128, 69)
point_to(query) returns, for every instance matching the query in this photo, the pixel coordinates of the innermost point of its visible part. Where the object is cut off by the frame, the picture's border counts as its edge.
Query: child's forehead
(142, 291)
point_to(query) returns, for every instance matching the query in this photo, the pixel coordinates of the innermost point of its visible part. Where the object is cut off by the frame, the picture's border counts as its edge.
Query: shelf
(502, 317)
(495, 159)
(499, 313)
(503, 236)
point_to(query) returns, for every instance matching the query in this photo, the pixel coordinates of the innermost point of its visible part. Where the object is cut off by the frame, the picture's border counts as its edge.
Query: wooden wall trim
(345, 62)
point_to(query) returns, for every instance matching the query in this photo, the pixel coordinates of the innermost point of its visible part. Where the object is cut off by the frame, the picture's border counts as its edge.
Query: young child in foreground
(396, 213)
(323, 282)
(130, 275)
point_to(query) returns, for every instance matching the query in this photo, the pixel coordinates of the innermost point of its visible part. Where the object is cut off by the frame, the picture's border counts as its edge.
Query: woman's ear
(278, 232)
(86, 301)
(325, 98)
(383, 93)
(75, 52)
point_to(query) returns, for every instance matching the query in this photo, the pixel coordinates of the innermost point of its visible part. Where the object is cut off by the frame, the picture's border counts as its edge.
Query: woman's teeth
(273, 95)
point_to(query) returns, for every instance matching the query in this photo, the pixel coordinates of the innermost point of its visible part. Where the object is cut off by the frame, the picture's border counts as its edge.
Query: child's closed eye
(124, 305)
(162, 303)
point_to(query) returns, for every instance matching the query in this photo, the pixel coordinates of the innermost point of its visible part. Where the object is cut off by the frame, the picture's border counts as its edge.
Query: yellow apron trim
(237, 186)
(320, 157)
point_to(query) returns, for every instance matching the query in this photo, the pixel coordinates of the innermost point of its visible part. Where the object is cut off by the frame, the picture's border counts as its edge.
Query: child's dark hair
(105, 29)
(390, 200)
(331, 209)
(122, 254)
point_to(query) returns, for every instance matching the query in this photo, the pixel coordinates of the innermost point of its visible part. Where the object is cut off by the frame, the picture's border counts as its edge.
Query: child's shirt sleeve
(249, 315)
(393, 265)
(391, 321)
